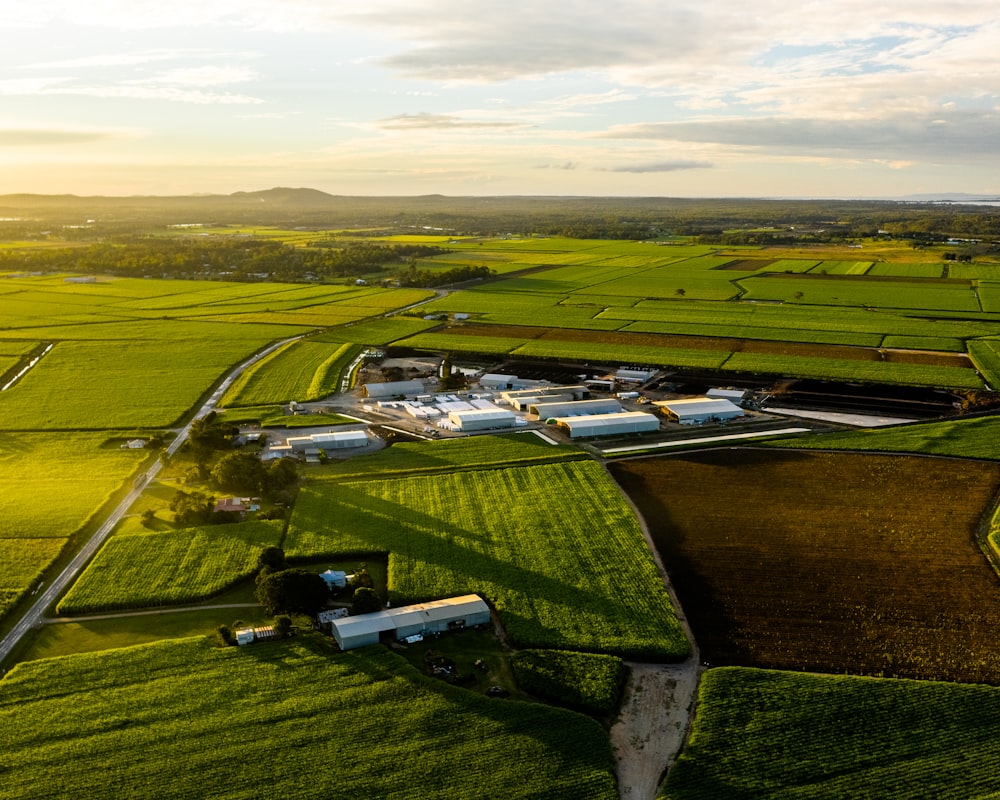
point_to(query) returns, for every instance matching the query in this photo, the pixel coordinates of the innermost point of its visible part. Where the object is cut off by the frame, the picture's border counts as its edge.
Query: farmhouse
(328, 441)
(436, 616)
(579, 408)
(482, 419)
(392, 389)
(609, 424)
(335, 578)
(696, 410)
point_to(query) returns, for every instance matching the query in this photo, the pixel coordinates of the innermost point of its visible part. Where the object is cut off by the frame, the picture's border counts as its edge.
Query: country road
(35, 616)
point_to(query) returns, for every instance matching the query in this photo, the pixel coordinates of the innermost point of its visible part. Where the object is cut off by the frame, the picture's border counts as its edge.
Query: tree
(191, 508)
(239, 472)
(361, 579)
(292, 591)
(283, 626)
(147, 517)
(282, 474)
(366, 601)
(225, 635)
(272, 557)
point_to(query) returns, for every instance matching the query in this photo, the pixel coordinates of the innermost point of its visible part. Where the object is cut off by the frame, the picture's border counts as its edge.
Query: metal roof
(701, 406)
(576, 408)
(606, 424)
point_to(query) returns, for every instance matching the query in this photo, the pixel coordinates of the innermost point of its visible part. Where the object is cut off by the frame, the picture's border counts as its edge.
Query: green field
(53, 483)
(169, 568)
(764, 734)
(304, 370)
(291, 719)
(574, 574)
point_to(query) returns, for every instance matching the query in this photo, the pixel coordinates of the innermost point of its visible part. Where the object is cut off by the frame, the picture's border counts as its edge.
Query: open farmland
(184, 719)
(53, 483)
(761, 733)
(826, 561)
(169, 568)
(303, 371)
(554, 547)
(692, 292)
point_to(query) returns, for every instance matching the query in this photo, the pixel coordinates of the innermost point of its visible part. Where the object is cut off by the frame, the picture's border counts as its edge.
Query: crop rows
(761, 734)
(590, 682)
(304, 370)
(954, 296)
(445, 455)
(377, 331)
(554, 547)
(985, 354)
(183, 719)
(172, 567)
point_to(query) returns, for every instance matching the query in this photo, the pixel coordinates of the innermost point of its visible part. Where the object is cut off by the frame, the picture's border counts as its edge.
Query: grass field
(828, 562)
(169, 568)
(53, 483)
(765, 734)
(184, 719)
(554, 547)
(304, 370)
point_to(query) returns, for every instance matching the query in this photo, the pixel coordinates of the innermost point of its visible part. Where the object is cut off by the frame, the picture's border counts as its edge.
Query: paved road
(35, 616)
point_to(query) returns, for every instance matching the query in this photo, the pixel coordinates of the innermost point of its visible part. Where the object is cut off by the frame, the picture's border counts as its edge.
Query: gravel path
(652, 725)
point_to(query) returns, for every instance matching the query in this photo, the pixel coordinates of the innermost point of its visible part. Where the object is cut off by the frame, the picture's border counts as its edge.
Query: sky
(679, 98)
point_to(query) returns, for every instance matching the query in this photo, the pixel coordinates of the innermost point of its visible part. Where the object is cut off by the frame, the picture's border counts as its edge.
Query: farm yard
(784, 560)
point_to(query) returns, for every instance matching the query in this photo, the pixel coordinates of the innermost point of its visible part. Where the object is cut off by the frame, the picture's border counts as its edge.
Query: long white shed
(609, 424)
(435, 616)
(482, 419)
(392, 389)
(576, 408)
(695, 410)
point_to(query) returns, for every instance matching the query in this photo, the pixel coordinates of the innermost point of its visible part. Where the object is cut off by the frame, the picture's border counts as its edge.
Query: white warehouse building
(578, 408)
(696, 410)
(609, 424)
(392, 389)
(482, 419)
(338, 440)
(436, 616)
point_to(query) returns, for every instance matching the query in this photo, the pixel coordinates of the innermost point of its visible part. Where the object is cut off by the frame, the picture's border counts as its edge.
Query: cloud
(22, 137)
(896, 139)
(440, 122)
(661, 166)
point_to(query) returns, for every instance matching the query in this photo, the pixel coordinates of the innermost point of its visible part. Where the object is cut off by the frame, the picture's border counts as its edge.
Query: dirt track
(652, 725)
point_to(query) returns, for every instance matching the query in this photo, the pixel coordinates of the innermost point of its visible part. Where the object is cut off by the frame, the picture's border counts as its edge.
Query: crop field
(828, 562)
(590, 682)
(985, 354)
(846, 268)
(169, 568)
(975, 437)
(445, 455)
(52, 484)
(849, 291)
(304, 370)
(181, 718)
(761, 733)
(573, 574)
(377, 331)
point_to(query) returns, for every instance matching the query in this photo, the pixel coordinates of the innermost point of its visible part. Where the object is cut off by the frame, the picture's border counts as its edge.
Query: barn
(392, 389)
(579, 408)
(338, 440)
(436, 616)
(482, 419)
(609, 424)
(696, 410)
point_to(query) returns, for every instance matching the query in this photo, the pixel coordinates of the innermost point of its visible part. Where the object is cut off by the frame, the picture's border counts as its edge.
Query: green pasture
(985, 354)
(760, 733)
(170, 567)
(488, 345)
(17, 347)
(889, 269)
(182, 718)
(767, 334)
(599, 352)
(554, 547)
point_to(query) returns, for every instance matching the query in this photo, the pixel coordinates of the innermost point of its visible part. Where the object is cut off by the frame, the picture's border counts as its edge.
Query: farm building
(609, 424)
(482, 419)
(252, 635)
(579, 408)
(695, 410)
(335, 578)
(496, 381)
(576, 392)
(634, 375)
(328, 441)
(436, 616)
(392, 389)
(524, 403)
(734, 395)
